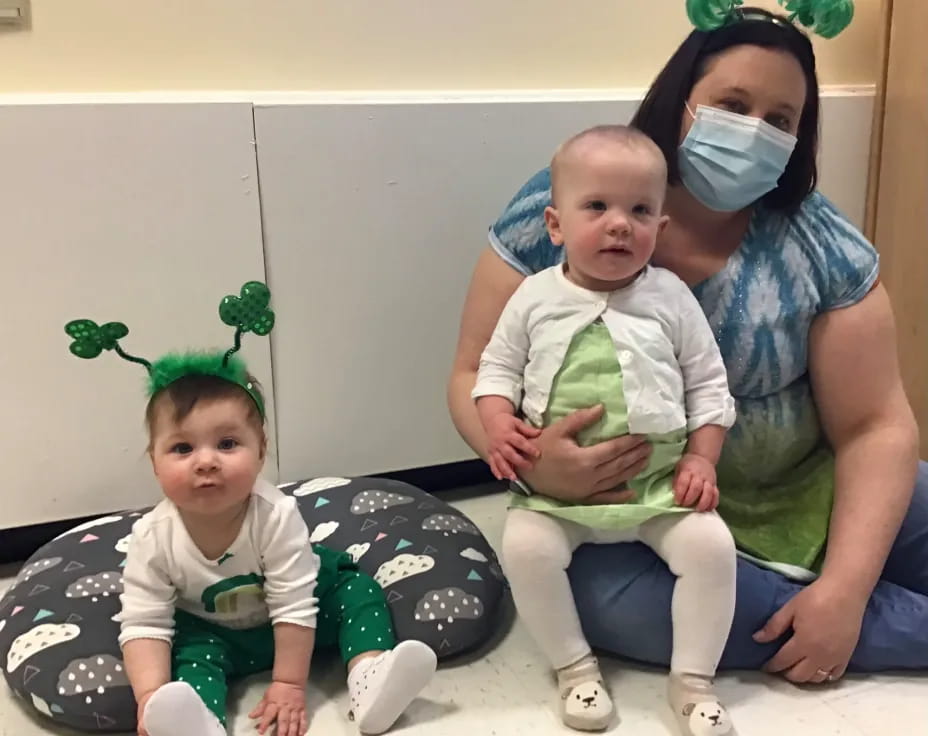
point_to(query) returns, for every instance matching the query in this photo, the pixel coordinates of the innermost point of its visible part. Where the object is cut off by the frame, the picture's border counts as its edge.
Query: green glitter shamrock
(827, 18)
(91, 339)
(707, 15)
(248, 312)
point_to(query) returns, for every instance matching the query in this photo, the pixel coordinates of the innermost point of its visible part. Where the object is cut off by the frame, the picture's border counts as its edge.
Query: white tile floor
(507, 690)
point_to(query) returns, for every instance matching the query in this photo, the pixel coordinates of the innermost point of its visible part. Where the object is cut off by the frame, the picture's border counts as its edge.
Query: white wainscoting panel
(374, 214)
(141, 213)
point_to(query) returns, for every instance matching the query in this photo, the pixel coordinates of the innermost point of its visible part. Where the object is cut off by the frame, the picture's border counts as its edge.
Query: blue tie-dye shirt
(776, 473)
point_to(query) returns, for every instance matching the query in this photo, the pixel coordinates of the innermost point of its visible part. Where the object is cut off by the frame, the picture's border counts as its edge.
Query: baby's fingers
(522, 445)
(693, 492)
(514, 458)
(681, 485)
(710, 497)
(286, 723)
(501, 469)
(527, 430)
(270, 715)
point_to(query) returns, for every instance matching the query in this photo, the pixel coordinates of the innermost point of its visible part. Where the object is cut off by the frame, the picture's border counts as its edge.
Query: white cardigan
(672, 370)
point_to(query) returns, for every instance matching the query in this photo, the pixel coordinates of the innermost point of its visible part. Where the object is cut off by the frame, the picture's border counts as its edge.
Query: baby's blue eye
(228, 444)
(182, 448)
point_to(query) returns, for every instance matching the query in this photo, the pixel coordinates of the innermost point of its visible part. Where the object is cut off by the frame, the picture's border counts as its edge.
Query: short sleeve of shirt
(845, 265)
(519, 236)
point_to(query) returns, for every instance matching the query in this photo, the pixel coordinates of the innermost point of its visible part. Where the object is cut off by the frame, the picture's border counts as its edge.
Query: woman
(792, 292)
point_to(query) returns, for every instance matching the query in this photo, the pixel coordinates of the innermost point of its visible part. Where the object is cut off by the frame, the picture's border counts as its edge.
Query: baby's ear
(689, 708)
(553, 223)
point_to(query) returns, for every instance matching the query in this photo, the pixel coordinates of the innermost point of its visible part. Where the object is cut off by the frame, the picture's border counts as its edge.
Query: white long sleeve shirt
(672, 371)
(267, 574)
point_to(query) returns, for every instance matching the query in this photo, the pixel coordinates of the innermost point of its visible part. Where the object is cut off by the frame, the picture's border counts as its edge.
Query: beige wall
(140, 45)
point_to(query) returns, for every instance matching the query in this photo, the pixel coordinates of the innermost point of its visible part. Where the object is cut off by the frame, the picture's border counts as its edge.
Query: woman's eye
(733, 106)
(597, 205)
(228, 444)
(779, 121)
(182, 448)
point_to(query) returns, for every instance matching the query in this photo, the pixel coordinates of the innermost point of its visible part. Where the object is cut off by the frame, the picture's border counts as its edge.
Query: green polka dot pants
(353, 615)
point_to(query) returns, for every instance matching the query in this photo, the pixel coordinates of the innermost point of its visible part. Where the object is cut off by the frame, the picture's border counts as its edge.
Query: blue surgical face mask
(728, 161)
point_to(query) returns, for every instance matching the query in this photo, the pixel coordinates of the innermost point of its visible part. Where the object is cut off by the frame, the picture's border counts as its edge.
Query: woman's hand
(573, 474)
(826, 622)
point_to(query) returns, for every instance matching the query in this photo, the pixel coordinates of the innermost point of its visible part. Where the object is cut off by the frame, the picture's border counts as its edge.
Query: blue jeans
(623, 595)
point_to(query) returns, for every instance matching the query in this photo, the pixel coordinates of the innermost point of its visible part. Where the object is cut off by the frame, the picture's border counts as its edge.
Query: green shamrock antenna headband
(248, 312)
(827, 18)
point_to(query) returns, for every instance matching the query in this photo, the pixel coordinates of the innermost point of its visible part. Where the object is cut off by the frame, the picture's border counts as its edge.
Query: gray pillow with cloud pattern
(58, 648)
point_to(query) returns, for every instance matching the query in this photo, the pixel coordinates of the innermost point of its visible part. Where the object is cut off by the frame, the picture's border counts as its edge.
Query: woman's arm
(491, 285)
(564, 470)
(866, 417)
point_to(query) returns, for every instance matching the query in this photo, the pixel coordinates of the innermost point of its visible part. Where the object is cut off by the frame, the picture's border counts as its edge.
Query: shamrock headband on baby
(827, 18)
(248, 312)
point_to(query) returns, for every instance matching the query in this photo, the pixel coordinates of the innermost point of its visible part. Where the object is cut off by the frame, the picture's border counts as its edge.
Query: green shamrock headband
(827, 18)
(248, 312)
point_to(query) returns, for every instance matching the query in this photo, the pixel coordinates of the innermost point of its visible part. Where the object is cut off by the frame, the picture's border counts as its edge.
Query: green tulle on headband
(174, 366)
(248, 312)
(827, 18)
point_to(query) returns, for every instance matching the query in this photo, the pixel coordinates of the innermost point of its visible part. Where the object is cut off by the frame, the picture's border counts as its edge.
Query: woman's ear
(553, 223)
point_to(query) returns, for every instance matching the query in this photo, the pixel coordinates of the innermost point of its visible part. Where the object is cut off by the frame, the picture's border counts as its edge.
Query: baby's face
(207, 464)
(608, 208)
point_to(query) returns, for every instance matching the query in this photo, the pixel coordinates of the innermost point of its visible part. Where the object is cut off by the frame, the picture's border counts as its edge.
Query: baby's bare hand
(694, 484)
(509, 445)
(285, 704)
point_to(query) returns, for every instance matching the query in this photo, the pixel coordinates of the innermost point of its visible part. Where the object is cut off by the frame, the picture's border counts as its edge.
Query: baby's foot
(697, 709)
(176, 710)
(382, 687)
(585, 702)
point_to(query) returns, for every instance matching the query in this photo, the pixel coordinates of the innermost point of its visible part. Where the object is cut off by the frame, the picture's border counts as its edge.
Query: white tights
(697, 547)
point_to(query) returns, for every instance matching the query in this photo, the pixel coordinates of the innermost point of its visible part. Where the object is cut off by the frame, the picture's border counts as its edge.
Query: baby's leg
(195, 703)
(700, 551)
(536, 552)
(176, 709)
(383, 678)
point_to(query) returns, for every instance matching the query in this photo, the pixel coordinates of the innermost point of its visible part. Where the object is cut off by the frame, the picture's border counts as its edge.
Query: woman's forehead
(756, 70)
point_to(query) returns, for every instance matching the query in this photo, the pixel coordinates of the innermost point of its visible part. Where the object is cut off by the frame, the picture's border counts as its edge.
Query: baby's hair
(181, 396)
(621, 134)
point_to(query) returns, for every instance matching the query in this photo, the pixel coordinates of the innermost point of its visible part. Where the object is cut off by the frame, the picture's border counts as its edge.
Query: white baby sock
(585, 702)
(382, 687)
(176, 710)
(696, 708)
